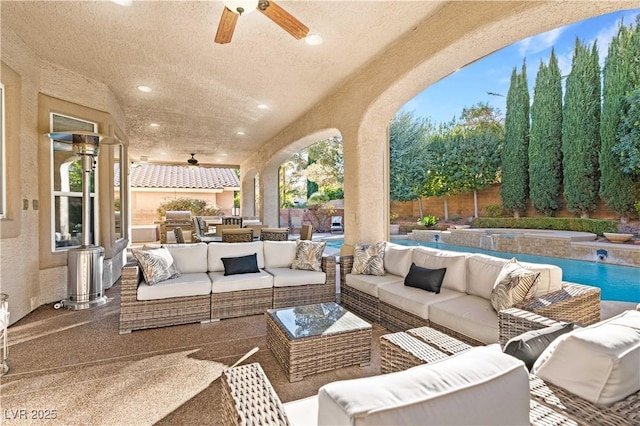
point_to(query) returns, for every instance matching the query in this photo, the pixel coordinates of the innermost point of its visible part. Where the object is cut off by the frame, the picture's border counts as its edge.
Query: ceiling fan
(193, 162)
(269, 8)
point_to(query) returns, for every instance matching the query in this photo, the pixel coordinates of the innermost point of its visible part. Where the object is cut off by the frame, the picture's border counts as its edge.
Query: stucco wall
(22, 277)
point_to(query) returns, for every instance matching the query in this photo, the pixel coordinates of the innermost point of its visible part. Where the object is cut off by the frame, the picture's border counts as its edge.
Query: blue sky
(445, 99)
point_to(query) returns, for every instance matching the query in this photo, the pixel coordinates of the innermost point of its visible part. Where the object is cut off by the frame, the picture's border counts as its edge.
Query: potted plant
(394, 228)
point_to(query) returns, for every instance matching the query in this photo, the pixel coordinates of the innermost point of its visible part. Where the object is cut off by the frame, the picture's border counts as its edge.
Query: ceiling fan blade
(227, 25)
(283, 18)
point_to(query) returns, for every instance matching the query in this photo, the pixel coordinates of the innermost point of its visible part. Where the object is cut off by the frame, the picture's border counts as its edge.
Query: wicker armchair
(243, 235)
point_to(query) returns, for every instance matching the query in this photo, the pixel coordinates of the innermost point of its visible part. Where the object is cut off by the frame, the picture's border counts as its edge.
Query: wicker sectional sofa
(462, 308)
(203, 293)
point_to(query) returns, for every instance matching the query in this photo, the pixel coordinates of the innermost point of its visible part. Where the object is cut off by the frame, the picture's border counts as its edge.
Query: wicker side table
(315, 338)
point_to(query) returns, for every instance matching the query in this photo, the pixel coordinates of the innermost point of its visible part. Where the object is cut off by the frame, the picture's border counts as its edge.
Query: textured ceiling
(204, 93)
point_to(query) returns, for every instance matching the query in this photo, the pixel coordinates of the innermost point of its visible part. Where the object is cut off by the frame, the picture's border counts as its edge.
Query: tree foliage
(619, 148)
(515, 169)
(581, 131)
(196, 206)
(628, 147)
(545, 140)
(409, 158)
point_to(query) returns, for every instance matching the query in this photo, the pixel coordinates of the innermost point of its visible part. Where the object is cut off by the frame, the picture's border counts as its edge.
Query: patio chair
(274, 234)
(220, 228)
(241, 235)
(232, 220)
(256, 229)
(306, 232)
(295, 223)
(336, 224)
(177, 231)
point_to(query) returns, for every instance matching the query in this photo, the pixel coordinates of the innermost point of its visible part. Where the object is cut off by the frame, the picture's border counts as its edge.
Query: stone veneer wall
(541, 245)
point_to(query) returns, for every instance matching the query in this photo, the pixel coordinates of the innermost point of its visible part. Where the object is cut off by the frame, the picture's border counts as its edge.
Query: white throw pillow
(600, 363)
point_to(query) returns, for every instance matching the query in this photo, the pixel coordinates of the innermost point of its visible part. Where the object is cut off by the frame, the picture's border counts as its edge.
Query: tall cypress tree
(581, 131)
(617, 188)
(515, 169)
(545, 141)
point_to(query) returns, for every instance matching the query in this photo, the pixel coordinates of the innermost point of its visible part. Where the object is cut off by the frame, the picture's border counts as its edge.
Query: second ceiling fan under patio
(233, 9)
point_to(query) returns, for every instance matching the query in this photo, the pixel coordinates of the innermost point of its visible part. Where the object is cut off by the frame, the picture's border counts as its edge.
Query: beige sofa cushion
(479, 386)
(371, 283)
(472, 316)
(483, 270)
(456, 276)
(600, 363)
(286, 277)
(196, 284)
(414, 300)
(219, 250)
(189, 258)
(397, 259)
(253, 281)
(279, 254)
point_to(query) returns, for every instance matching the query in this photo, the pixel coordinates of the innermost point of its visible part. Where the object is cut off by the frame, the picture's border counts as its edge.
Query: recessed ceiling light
(263, 106)
(240, 133)
(123, 2)
(154, 125)
(145, 89)
(313, 40)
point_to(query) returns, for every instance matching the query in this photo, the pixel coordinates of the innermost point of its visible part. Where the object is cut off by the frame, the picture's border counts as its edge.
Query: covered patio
(205, 100)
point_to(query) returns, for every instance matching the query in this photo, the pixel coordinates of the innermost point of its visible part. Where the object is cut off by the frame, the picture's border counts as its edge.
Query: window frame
(70, 194)
(3, 155)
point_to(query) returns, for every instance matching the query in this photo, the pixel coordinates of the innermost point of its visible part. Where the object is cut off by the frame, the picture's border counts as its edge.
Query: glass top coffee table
(314, 338)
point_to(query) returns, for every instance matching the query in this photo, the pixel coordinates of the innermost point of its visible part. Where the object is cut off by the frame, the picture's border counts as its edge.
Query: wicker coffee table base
(305, 356)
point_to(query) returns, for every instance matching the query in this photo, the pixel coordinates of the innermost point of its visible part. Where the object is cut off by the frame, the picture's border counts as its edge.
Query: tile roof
(160, 176)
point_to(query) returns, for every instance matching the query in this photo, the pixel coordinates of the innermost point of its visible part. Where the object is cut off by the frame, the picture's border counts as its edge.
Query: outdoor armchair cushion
(456, 276)
(599, 363)
(215, 253)
(397, 259)
(279, 254)
(479, 386)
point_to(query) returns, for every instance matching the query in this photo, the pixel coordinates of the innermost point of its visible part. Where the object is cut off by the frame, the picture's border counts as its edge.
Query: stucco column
(366, 184)
(248, 196)
(269, 196)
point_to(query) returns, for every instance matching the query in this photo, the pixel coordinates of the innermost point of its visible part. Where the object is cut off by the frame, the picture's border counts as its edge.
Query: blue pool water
(617, 282)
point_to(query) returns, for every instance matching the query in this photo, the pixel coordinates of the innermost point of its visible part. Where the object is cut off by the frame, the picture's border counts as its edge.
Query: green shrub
(493, 210)
(317, 198)
(197, 207)
(429, 220)
(637, 205)
(595, 226)
(455, 217)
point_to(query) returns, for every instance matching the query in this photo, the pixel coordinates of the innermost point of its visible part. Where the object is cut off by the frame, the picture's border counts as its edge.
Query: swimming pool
(616, 282)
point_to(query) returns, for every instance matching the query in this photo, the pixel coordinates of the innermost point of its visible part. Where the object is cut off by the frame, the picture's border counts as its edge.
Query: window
(3, 180)
(66, 203)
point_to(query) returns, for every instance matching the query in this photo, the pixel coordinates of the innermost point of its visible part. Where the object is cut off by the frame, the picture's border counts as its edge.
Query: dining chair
(306, 232)
(241, 235)
(177, 231)
(274, 234)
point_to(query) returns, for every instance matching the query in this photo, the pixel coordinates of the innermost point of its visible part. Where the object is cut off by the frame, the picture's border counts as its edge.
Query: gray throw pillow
(368, 259)
(530, 345)
(425, 278)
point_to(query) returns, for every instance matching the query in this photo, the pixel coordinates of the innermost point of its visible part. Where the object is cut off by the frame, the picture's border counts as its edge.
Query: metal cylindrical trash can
(84, 281)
